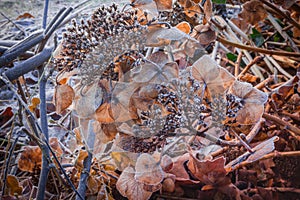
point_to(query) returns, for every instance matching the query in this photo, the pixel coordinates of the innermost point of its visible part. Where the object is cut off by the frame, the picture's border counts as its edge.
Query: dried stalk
(280, 122)
(256, 49)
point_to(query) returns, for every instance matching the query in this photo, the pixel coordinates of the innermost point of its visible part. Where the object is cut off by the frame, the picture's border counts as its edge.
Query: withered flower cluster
(93, 45)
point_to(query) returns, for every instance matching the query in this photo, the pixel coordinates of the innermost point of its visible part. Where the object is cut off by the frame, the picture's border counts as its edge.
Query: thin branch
(256, 49)
(280, 122)
(44, 126)
(279, 11)
(7, 162)
(46, 5)
(17, 26)
(254, 61)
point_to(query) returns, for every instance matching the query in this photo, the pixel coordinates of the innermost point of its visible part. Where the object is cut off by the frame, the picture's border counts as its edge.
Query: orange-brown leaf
(63, 97)
(253, 12)
(13, 186)
(148, 171)
(210, 172)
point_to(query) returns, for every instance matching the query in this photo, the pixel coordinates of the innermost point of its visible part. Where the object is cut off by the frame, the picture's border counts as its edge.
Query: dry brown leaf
(164, 5)
(184, 27)
(130, 188)
(117, 106)
(288, 87)
(192, 10)
(204, 34)
(216, 78)
(93, 184)
(208, 11)
(168, 185)
(63, 97)
(179, 170)
(25, 16)
(147, 170)
(13, 185)
(208, 171)
(83, 154)
(145, 96)
(104, 132)
(123, 159)
(5, 115)
(253, 102)
(30, 158)
(166, 163)
(249, 78)
(253, 12)
(35, 101)
(296, 31)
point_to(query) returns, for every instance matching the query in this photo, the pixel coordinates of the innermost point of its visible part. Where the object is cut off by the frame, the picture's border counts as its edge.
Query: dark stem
(46, 5)
(11, 150)
(27, 66)
(44, 126)
(21, 47)
(87, 162)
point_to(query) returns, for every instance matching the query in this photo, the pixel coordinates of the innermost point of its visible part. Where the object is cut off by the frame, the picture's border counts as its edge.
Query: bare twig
(256, 49)
(18, 27)
(282, 33)
(280, 122)
(254, 61)
(7, 162)
(290, 19)
(87, 161)
(44, 126)
(46, 5)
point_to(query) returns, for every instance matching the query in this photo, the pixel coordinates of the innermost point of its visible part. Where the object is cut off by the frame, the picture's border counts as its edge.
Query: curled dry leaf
(209, 171)
(93, 184)
(12, 185)
(35, 101)
(216, 78)
(204, 34)
(253, 101)
(288, 87)
(179, 170)
(130, 188)
(253, 12)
